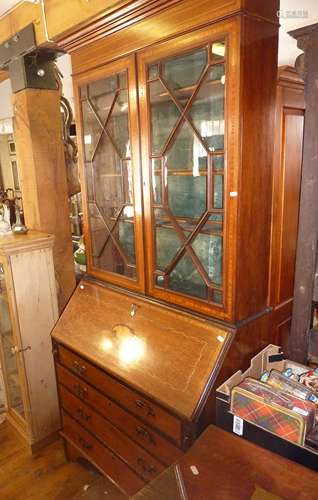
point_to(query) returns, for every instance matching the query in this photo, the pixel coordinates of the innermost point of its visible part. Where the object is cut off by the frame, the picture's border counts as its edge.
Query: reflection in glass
(118, 124)
(187, 195)
(186, 279)
(218, 50)
(182, 73)
(187, 152)
(10, 367)
(218, 191)
(207, 111)
(208, 249)
(218, 162)
(167, 245)
(109, 176)
(164, 115)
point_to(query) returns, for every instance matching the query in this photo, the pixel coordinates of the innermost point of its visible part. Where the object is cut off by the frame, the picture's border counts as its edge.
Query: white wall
(6, 109)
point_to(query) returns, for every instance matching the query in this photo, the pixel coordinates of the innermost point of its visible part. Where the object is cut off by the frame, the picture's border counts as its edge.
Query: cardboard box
(268, 359)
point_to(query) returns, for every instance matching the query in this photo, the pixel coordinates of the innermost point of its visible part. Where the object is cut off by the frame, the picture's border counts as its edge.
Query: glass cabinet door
(111, 173)
(183, 110)
(9, 363)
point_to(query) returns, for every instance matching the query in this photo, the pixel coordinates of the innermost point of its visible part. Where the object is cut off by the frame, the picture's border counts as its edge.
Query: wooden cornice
(288, 75)
(131, 13)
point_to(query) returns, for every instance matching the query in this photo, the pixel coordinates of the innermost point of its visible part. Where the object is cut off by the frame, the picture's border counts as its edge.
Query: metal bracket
(18, 45)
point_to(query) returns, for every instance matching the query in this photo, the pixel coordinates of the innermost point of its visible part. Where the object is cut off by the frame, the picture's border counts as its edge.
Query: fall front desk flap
(166, 354)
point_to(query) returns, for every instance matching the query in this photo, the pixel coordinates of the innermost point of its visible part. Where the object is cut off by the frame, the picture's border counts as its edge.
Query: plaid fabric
(272, 419)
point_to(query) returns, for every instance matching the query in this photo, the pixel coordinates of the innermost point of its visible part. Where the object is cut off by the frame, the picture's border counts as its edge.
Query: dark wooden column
(306, 64)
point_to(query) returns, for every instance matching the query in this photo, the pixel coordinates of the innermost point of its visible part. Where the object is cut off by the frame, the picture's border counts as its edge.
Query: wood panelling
(289, 122)
(258, 113)
(39, 144)
(293, 122)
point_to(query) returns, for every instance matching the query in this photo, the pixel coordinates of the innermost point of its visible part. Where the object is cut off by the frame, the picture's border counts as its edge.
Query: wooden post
(307, 39)
(39, 144)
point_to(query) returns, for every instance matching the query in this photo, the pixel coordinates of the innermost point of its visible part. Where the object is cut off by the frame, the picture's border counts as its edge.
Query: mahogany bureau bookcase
(175, 113)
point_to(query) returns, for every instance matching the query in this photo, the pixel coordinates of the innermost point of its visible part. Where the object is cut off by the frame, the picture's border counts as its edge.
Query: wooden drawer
(139, 459)
(101, 456)
(137, 430)
(143, 407)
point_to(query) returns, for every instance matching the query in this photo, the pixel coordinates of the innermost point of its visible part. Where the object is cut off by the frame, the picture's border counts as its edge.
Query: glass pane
(164, 115)
(126, 239)
(118, 124)
(216, 217)
(218, 191)
(182, 73)
(100, 87)
(92, 130)
(218, 162)
(108, 179)
(167, 245)
(217, 297)
(186, 279)
(187, 195)
(113, 260)
(218, 50)
(123, 80)
(153, 71)
(128, 182)
(156, 180)
(10, 367)
(160, 281)
(186, 152)
(208, 249)
(109, 175)
(207, 111)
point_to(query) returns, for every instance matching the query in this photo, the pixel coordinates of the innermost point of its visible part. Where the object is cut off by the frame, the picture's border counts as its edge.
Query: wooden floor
(47, 475)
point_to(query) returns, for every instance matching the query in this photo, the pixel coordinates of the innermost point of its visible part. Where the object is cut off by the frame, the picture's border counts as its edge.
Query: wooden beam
(3, 75)
(19, 17)
(39, 144)
(307, 40)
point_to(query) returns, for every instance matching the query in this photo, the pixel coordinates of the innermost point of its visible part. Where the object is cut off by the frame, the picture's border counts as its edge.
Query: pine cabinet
(28, 312)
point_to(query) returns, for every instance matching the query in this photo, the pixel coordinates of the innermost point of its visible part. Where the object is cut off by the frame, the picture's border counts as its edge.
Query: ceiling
(7, 4)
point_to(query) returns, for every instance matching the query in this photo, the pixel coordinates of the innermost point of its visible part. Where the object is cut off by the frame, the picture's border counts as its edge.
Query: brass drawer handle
(141, 431)
(145, 406)
(149, 469)
(82, 415)
(80, 391)
(85, 444)
(80, 369)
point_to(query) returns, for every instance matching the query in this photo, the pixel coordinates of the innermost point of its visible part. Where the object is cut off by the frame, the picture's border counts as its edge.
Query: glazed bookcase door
(110, 171)
(184, 106)
(10, 359)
